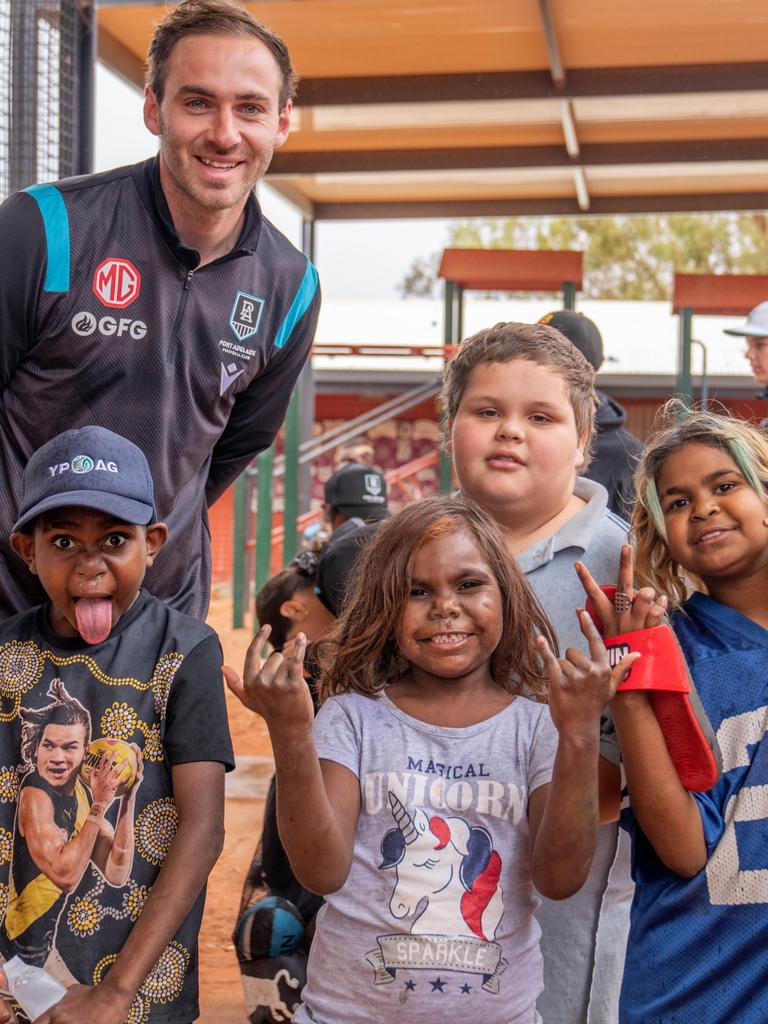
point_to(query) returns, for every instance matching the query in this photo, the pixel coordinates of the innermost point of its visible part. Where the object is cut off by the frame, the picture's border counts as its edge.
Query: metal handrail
(334, 436)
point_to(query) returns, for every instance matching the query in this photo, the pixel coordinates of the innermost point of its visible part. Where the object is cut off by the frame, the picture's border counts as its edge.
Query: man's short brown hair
(214, 18)
(538, 344)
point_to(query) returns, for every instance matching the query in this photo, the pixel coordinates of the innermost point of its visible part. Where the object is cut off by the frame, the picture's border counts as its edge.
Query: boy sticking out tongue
(86, 529)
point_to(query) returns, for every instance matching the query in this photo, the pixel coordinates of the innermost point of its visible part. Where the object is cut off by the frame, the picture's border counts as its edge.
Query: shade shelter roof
(450, 108)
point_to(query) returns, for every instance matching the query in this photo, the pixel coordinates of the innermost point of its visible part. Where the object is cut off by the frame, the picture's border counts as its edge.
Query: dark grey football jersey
(106, 318)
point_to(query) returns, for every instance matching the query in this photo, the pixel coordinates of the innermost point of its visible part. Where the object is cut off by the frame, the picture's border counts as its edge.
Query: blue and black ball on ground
(271, 927)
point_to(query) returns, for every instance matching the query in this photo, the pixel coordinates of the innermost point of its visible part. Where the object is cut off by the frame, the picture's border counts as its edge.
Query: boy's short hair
(89, 467)
(538, 344)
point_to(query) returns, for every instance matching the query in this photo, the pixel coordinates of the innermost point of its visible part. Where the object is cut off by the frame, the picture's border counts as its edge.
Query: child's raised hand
(580, 685)
(641, 609)
(274, 687)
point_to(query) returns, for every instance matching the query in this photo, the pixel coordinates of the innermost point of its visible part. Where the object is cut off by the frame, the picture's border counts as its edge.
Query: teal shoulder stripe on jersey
(56, 224)
(299, 306)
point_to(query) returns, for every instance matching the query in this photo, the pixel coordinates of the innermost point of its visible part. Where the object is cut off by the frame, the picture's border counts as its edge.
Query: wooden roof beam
(599, 154)
(556, 69)
(526, 85)
(563, 207)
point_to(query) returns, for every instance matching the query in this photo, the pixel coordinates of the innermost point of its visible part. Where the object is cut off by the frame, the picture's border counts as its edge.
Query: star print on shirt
(437, 985)
(411, 986)
(465, 989)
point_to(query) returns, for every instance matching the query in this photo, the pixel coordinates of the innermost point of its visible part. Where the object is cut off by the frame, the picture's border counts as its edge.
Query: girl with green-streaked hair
(679, 427)
(698, 942)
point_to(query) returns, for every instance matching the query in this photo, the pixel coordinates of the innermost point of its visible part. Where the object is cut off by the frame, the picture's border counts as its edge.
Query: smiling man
(156, 300)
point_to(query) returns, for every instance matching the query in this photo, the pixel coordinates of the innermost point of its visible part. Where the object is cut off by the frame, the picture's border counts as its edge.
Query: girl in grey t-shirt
(431, 795)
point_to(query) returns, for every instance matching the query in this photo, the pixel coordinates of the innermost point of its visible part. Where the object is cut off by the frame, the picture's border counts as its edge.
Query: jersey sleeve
(259, 411)
(543, 749)
(23, 265)
(335, 735)
(712, 819)
(196, 714)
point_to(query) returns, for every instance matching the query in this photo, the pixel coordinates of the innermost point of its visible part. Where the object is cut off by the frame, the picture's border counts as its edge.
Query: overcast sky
(356, 260)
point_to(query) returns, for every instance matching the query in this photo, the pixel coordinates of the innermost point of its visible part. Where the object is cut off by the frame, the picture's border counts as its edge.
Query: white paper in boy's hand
(33, 988)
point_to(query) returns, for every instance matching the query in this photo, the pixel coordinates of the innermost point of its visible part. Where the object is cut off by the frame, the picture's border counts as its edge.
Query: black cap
(580, 331)
(336, 566)
(358, 490)
(89, 468)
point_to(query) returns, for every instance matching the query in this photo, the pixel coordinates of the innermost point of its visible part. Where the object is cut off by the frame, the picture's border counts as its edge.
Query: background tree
(624, 257)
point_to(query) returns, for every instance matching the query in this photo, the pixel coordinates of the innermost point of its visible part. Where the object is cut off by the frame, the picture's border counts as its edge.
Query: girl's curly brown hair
(361, 654)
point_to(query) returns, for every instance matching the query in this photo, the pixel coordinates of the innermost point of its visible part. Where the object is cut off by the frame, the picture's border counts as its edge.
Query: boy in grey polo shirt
(519, 404)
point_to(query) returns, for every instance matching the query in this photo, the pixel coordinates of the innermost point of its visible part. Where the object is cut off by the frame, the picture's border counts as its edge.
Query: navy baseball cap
(90, 467)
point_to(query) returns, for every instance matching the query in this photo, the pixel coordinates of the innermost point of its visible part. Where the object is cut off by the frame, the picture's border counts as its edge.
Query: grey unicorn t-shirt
(436, 917)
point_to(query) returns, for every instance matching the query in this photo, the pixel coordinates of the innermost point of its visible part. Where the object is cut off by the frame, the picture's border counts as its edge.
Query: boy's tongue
(94, 618)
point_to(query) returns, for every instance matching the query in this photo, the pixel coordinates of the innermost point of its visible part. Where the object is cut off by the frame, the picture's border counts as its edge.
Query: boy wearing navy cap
(106, 877)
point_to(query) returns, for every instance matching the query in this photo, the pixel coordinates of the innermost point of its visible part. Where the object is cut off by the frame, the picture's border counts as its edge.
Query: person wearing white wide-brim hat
(755, 330)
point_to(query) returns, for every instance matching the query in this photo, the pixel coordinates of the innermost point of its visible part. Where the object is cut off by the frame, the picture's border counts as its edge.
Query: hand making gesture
(630, 609)
(274, 687)
(580, 685)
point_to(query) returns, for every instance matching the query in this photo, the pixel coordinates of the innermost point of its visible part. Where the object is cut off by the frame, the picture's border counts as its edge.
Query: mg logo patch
(116, 283)
(245, 316)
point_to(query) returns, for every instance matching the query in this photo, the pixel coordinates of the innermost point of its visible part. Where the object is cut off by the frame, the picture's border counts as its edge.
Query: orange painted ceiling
(443, 107)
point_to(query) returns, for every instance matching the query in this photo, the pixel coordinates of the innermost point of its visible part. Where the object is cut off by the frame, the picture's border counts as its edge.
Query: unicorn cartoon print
(447, 879)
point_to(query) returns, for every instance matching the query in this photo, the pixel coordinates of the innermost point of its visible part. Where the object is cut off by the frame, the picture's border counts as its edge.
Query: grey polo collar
(576, 533)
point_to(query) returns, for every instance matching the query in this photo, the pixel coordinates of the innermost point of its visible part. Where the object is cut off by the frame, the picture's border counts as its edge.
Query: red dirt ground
(221, 993)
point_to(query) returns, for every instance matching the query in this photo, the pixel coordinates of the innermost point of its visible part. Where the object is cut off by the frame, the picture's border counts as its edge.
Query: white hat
(756, 325)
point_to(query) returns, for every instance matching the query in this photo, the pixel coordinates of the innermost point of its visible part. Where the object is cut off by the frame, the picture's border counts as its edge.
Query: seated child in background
(519, 409)
(698, 944)
(439, 795)
(286, 605)
(107, 886)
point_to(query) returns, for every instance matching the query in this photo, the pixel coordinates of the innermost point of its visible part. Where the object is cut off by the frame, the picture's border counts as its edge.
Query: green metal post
(448, 312)
(291, 478)
(459, 318)
(569, 295)
(238, 568)
(449, 338)
(264, 517)
(684, 386)
(446, 472)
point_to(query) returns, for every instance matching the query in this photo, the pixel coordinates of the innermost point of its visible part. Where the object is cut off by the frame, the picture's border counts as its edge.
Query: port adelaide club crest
(245, 316)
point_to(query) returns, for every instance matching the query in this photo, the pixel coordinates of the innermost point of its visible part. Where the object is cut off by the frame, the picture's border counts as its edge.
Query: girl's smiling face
(452, 621)
(713, 517)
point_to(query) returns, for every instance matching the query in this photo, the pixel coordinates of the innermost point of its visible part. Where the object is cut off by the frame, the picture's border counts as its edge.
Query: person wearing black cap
(102, 650)
(616, 449)
(355, 504)
(355, 491)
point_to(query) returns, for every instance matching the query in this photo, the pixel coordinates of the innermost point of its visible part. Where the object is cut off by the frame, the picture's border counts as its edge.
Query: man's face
(756, 352)
(60, 753)
(219, 121)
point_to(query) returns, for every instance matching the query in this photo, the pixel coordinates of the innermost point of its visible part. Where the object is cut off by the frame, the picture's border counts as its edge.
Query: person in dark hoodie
(616, 449)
